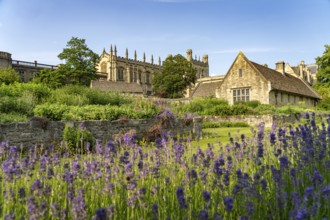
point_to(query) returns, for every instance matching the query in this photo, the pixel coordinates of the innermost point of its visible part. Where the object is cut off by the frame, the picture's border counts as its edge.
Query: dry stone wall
(39, 132)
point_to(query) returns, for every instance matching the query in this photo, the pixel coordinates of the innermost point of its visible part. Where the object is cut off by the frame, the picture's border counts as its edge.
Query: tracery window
(148, 77)
(103, 67)
(120, 74)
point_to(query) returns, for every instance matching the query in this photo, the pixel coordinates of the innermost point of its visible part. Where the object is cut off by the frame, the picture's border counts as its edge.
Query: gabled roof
(206, 89)
(117, 86)
(285, 82)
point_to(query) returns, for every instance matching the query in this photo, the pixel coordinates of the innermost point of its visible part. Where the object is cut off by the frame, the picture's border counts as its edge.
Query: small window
(240, 72)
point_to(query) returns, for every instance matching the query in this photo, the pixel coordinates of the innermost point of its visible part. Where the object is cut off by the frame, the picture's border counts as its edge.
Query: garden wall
(254, 120)
(43, 132)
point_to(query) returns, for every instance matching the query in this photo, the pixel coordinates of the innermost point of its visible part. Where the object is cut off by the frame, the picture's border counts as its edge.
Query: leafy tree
(323, 74)
(9, 75)
(79, 67)
(175, 76)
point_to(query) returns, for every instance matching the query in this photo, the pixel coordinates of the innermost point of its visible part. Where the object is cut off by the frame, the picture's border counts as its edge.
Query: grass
(220, 135)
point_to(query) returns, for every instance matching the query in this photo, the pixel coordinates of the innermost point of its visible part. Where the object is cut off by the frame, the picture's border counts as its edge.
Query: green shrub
(240, 109)
(224, 124)
(77, 139)
(220, 110)
(324, 104)
(74, 95)
(289, 109)
(9, 76)
(13, 117)
(251, 104)
(18, 89)
(263, 109)
(53, 112)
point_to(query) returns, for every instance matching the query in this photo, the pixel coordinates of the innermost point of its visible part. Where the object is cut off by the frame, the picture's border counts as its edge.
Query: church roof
(117, 86)
(285, 82)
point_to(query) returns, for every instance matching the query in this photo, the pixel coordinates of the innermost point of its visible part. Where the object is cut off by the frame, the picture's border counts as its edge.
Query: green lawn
(220, 135)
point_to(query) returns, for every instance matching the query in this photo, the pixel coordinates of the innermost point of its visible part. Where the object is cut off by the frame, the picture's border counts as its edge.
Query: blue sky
(267, 31)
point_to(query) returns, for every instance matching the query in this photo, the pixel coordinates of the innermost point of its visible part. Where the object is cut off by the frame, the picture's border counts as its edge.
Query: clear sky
(266, 31)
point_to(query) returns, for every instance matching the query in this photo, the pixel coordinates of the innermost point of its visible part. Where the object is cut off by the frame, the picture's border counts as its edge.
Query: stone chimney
(301, 69)
(280, 67)
(189, 55)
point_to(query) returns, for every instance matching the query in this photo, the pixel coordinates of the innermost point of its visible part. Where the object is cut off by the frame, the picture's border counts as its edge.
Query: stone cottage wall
(36, 132)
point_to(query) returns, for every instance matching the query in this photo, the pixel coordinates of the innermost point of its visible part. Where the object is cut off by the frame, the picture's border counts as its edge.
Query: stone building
(247, 80)
(306, 72)
(205, 87)
(26, 70)
(123, 74)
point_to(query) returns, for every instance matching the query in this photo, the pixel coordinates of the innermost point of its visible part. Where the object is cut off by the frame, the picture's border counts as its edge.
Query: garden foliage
(282, 173)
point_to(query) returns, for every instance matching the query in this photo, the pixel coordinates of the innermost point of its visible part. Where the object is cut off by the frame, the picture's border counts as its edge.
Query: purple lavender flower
(154, 209)
(21, 193)
(226, 178)
(229, 203)
(131, 201)
(192, 174)
(55, 210)
(284, 162)
(206, 196)
(10, 216)
(50, 172)
(68, 177)
(111, 211)
(203, 215)
(129, 170)
(203, 175)
(79, 208)
(260, 151)
(263, 184)
(317, 178)
(237, 188)
(239, 173)
(216, 168)
(326, 192)
(140, 165)
(36, 186)
(249, 207)
(216, 216)
(272, 137)
(101, 214)
(302, 214)
(180, 197)
(131, 186)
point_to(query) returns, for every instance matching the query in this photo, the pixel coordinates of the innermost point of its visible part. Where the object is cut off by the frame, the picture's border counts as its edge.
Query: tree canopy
(9, 75)
(79, 67)
(174, 77)
(323, 74)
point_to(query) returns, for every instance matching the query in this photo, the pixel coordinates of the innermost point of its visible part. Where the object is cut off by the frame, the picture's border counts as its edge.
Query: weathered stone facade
(114, 68)
(26, 70)
(246, 81)
(38, 132)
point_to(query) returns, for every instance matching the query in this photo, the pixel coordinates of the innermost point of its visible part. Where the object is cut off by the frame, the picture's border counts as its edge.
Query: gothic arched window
(148, 77)
(120, 74)
(103, 67)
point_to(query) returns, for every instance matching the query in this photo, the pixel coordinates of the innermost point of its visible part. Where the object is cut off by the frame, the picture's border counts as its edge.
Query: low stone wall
(41, 132)
(254, 120)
